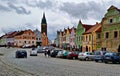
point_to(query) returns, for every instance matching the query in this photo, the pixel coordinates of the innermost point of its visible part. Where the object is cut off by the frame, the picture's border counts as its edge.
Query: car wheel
(73, 58)
(114, 62)
(86, 59)
(96, 60)
(105, 61)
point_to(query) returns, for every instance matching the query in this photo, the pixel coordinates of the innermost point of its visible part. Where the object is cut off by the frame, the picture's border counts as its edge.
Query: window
(86, 38)
(32, 37)
(36, 38)
(115, 34)
(33, 42)
(79, 38)
(89, 38)
(111, 20)
(107, 35)
(39, 39)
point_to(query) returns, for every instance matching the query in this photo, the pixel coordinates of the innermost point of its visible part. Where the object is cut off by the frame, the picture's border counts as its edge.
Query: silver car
(86, 56)
(33, 52)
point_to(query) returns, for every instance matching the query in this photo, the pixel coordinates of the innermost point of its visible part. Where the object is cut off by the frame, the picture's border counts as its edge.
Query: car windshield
(109, 53)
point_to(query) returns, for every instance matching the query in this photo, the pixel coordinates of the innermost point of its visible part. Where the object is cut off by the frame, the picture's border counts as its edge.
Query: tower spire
(43, 19)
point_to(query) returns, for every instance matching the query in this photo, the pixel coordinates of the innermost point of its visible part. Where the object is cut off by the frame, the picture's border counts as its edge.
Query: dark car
(21, 54)
(54, 53)
(112, 57)
(99, 55)
(73, 55)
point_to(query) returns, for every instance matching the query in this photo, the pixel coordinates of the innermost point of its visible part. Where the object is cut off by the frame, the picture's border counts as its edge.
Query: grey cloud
(40, 4)
(4, 8)
(19, 10)
(84, 10)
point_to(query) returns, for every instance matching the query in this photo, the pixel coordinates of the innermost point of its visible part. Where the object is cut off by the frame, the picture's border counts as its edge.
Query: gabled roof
(19, 33)
(95, 28)
(10, 34)
(113, 7)
(86, 26)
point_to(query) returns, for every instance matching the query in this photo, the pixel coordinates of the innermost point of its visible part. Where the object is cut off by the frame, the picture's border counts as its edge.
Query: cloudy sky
(27, 14)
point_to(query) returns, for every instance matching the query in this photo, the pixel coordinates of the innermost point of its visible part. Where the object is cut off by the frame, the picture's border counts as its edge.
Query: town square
(59, 38)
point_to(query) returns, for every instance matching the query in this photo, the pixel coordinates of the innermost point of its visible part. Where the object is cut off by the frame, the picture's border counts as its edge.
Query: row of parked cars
(22, 53)
(97, 56)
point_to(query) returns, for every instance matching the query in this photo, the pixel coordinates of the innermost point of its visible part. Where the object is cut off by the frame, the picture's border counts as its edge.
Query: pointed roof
(86, 26)
(43, 19)
(113, 7)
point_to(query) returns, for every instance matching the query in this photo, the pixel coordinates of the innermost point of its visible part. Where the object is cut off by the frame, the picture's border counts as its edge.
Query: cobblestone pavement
(7, 70)
(44, 66)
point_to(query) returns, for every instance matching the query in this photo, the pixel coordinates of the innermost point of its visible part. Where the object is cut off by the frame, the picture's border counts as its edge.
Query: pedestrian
(48, 52)
(45, 52)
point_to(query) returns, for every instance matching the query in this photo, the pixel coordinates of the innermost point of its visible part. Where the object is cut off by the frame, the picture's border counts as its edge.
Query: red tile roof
(86, 26)
(10, 34)
(94, 28)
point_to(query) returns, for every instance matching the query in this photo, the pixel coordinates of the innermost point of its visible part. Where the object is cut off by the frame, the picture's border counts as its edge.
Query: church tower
(44, 25)
(44, 31)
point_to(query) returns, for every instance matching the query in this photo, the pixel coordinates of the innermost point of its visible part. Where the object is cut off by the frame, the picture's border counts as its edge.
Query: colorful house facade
(26, 37)
(72, 37)
(81, 28)
(38, 37)
(111, 30)
(90, 41)
(68, 37)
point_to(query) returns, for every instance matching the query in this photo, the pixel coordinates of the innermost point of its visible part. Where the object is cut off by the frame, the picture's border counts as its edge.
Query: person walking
(48, 52)
(45, 52)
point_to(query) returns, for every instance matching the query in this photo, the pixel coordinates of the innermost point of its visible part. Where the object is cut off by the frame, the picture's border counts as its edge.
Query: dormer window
(111, 20)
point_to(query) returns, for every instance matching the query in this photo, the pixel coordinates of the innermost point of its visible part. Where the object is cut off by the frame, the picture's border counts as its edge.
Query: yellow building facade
(90, 38)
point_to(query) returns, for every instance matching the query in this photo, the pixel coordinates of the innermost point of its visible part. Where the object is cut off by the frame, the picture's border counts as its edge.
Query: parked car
(112, 57)
(99, 55)
(40, 50)
(33, 52)
(86, 56)
(65, 54)
(44, 48)
(73, 55)
(60, 54)
(26, 46)
(21, 54)
(54, 53)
